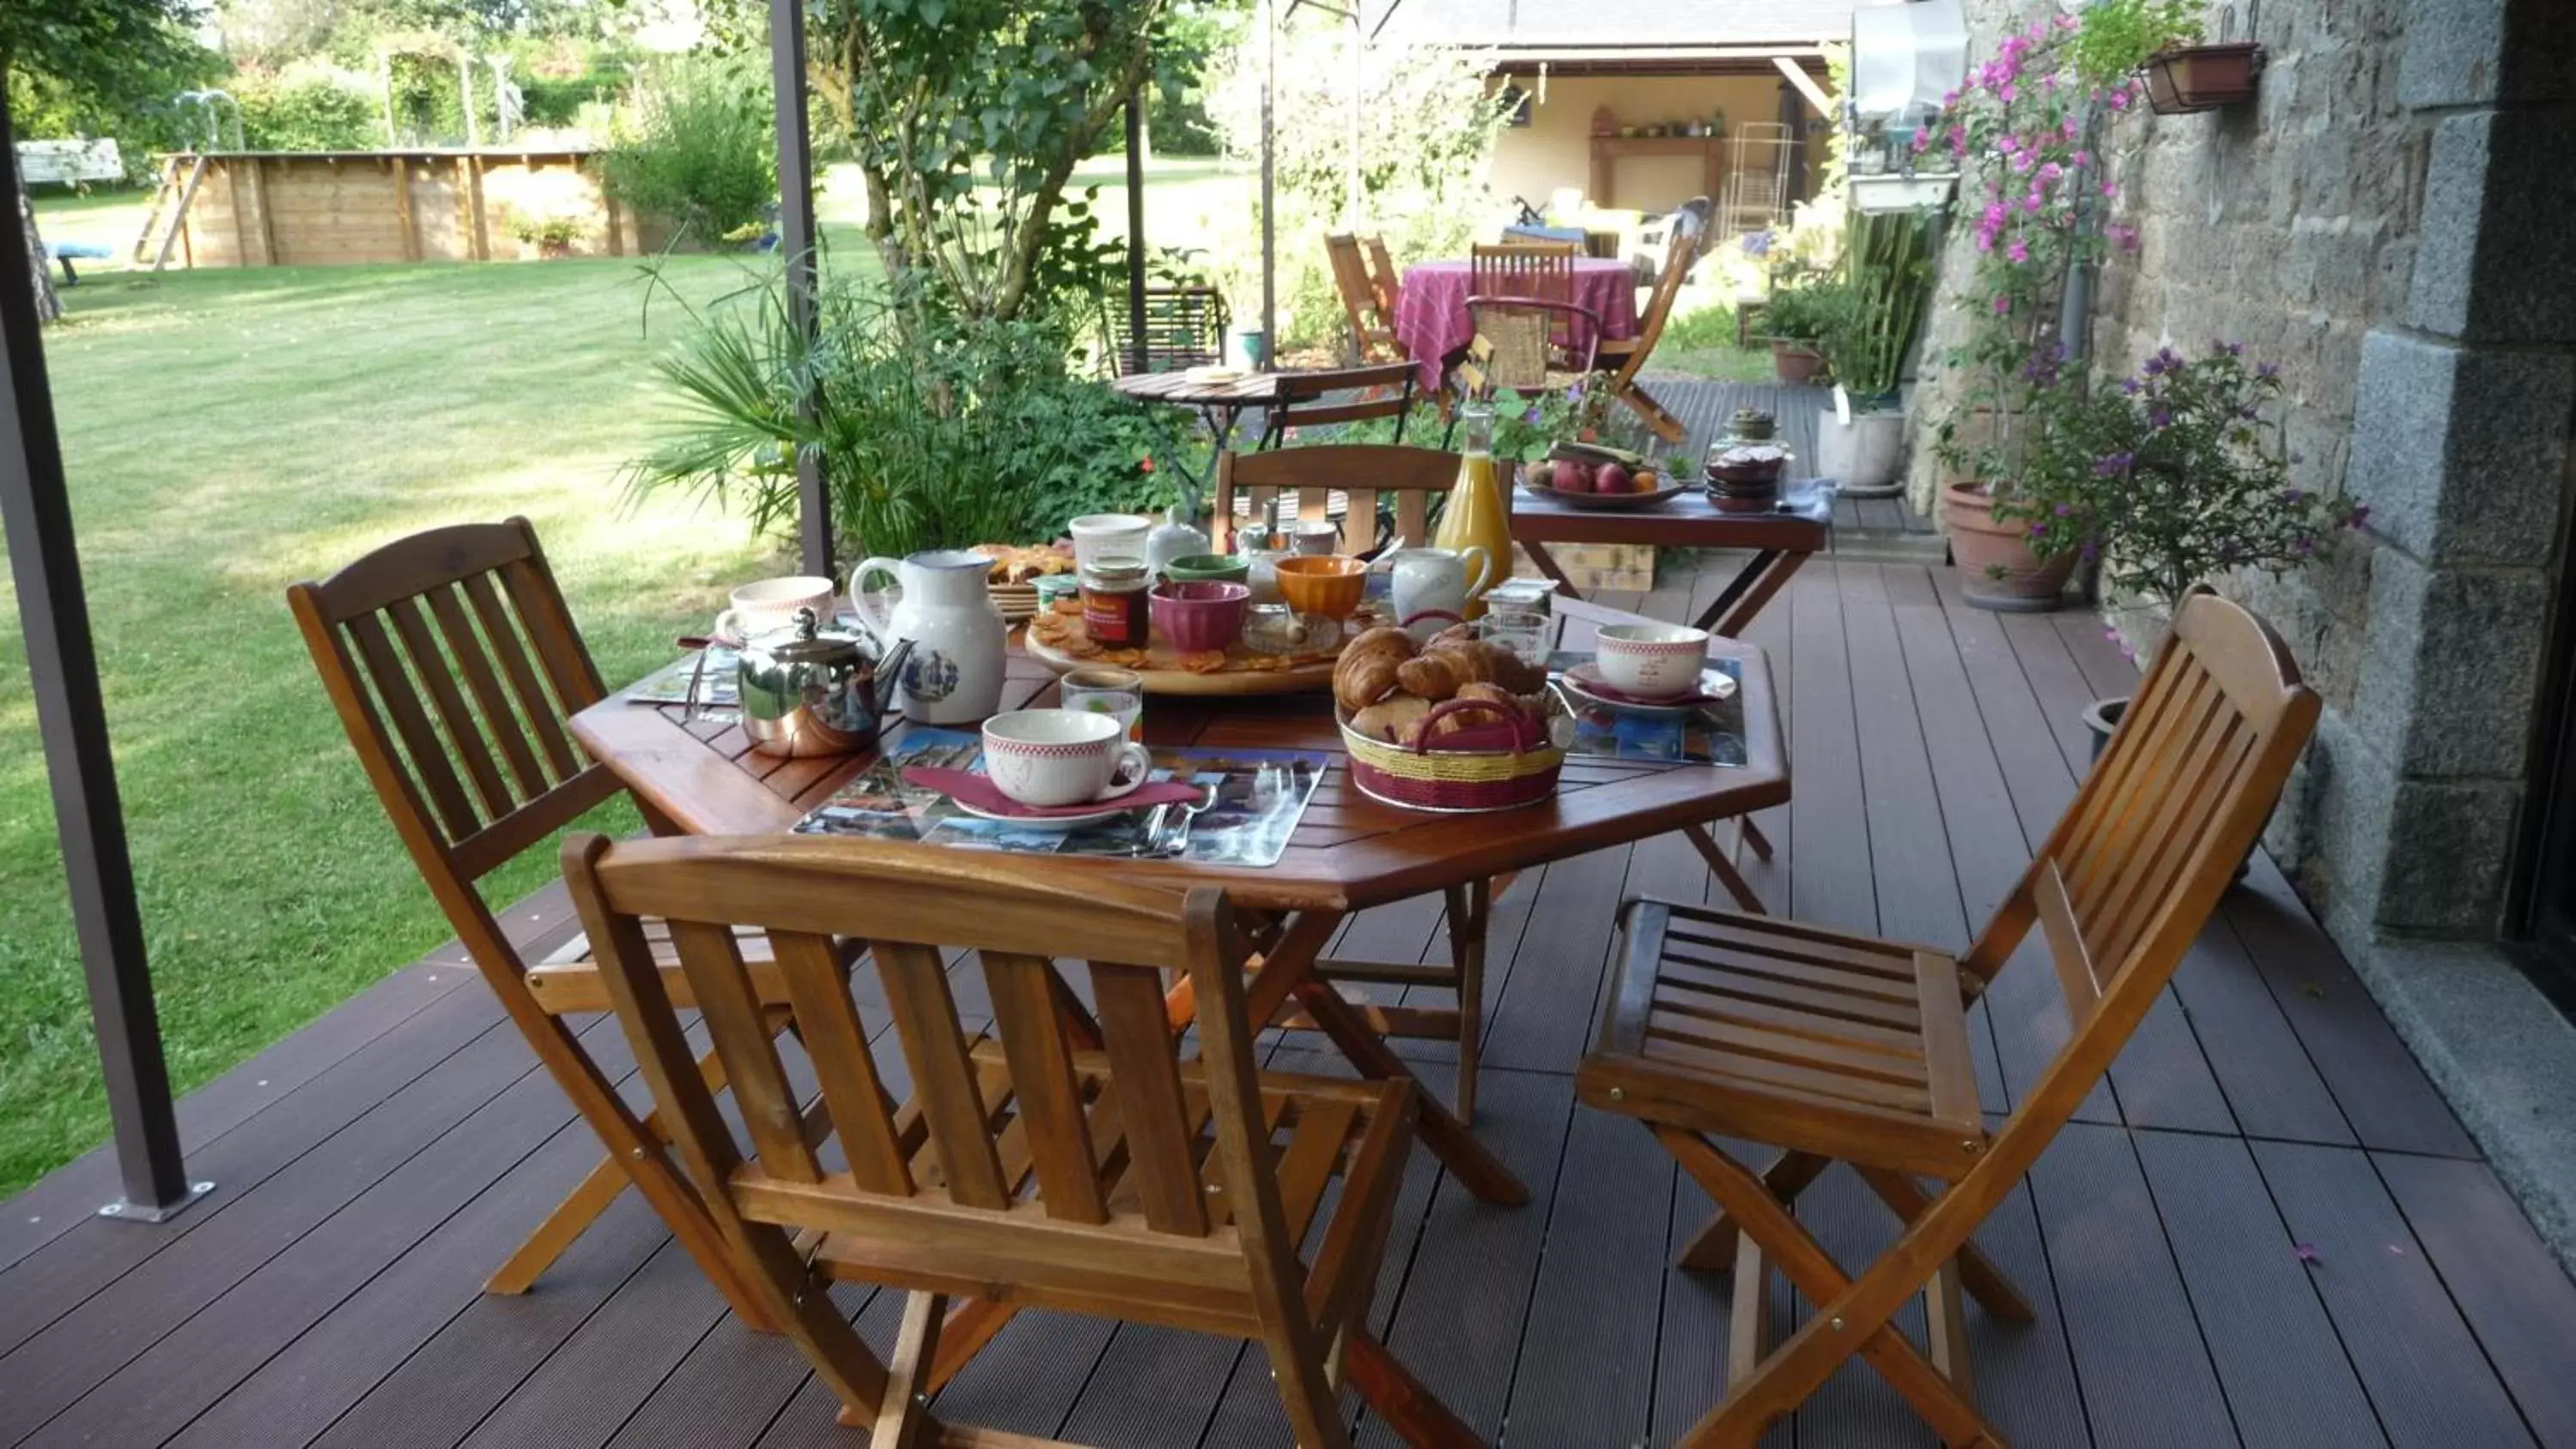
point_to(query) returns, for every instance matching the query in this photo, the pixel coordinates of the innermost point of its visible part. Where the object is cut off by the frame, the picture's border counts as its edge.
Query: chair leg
(903, 1419)
(582, 1207)
(1977, 1273)
(1946, 1324)
(1786, 1377)
(1468, 909)
(1395, 1395)
(1784, 1179)
(1667, 427)
(1314, 1410)
(1748, 1330)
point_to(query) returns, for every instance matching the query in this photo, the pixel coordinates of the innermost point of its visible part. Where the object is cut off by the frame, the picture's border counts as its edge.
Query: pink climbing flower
(2019, 250)
(2003, 304)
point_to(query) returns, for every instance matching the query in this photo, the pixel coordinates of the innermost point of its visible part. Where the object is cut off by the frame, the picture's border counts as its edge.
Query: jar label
(1108, 618)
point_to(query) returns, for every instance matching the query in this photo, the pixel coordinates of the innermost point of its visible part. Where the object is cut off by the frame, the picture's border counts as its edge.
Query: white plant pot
(1866, 455)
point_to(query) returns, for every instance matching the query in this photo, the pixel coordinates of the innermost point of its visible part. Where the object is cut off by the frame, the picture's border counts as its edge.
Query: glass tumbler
(1119, 693)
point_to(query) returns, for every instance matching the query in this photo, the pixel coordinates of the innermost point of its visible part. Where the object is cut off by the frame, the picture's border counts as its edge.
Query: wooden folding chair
(1372, 318)
(1540, 272)
(1378, 478)
(1384, 284)
(1184, 328)
(1841, 1047)
(1061, 1160)
(1628, 354)
(1338, 395)
(453, 665)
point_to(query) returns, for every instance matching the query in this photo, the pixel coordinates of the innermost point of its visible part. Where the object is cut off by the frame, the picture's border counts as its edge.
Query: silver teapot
(809, 690)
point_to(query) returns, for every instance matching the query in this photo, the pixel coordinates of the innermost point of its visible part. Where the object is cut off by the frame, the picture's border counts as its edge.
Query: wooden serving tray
(1163, 674)
(1611, 502)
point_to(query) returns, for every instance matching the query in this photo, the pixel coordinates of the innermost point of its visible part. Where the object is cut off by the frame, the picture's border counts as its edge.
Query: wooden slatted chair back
(1372, 328)
(1184, 328)
(1372, 474)
(1540, 270)
(2156, 832)
(1679, 251)
(1092, 1174)
(454, 665)
(1321, 396)
(1384, 284)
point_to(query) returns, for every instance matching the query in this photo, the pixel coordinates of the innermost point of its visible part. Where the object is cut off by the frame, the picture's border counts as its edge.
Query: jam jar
(1115, 612)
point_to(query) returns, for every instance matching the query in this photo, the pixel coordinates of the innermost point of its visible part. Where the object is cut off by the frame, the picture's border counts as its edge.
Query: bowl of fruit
(1590, 475)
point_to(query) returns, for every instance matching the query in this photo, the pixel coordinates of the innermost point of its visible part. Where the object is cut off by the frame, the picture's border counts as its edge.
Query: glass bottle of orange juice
(1477, 514)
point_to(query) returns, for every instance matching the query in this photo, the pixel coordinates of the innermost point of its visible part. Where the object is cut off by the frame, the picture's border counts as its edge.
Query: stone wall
(2342, 226)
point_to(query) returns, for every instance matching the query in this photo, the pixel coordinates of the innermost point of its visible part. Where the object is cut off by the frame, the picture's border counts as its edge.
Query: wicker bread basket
(1421, 778)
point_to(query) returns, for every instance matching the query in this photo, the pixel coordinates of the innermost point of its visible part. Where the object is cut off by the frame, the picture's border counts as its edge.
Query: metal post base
(127, 1212)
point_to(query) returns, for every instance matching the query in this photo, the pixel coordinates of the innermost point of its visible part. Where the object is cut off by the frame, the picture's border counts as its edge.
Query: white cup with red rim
(1650, 661)
(1054, 757)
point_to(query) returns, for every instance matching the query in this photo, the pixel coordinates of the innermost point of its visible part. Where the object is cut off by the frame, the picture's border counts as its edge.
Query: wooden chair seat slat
(1704, 1037)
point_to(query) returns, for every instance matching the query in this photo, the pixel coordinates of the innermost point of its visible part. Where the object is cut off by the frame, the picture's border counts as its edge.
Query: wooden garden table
(1348, 853)
(1779, 542)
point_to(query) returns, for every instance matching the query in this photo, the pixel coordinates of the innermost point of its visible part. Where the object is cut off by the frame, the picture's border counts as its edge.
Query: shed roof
(1554, 26)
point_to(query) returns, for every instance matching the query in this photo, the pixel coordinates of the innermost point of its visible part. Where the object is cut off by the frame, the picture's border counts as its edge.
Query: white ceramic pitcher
(1434, 584)
(942, 605)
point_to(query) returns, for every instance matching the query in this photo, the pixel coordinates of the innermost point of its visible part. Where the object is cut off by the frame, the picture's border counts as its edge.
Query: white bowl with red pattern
(1051, 757)
(1650, 661)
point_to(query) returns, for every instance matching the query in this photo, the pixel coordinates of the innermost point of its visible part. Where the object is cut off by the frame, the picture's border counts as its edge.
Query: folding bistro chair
(1521, 298)
(453, 664)
(1842, 1047)
(1628, 354)
(1372, 316)
(1184, 328)
(1384, 284)
(1308, 399)
(1386, 485)
(1063, 1160)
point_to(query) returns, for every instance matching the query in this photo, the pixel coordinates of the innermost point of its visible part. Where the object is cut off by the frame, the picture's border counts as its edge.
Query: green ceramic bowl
(1208, 568)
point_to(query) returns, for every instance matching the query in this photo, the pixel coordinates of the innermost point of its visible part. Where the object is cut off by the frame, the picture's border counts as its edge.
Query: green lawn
(227, 433)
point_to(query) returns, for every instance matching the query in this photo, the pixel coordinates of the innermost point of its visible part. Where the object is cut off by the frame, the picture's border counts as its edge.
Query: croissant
(1469, 662)
(1427, 676)
(1357, 684)
(1394, 720)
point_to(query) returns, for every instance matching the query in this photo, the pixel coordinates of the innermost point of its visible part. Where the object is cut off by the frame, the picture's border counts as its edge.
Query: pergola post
(44, 563)
(1136, 230)
(798, 255)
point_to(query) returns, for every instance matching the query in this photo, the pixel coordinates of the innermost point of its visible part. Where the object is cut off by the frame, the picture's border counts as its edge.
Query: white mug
(1050, 757)
(770, 604)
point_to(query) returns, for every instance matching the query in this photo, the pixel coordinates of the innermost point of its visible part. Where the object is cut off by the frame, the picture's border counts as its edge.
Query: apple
(1611, 479)
(1567, 477)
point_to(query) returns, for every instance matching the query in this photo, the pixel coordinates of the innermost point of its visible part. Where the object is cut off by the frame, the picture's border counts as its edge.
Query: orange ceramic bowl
(1327, 584)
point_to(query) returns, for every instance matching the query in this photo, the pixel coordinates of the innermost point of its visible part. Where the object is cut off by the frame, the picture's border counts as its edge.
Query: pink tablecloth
(1431, 316)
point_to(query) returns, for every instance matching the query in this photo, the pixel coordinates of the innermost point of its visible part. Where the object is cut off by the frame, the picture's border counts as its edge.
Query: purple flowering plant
(2027, 133)
(2173, 476)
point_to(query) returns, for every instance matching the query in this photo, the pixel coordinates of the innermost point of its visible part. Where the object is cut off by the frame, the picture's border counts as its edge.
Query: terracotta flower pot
(1997, 570)
(1795, 361)
(2202, 77)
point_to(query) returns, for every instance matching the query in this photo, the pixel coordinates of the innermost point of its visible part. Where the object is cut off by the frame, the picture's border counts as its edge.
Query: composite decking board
(1155, 1388)
(2055, 681)
(1856, 1408)
(2106, 666)
(1693, 1336)
(2423, 1368)
(2139, 1356)
(2025, 1372)
(2035, 773)
(586, 1389)
(1505, 921)
(1586, 1365)
(1831, 880)
(1544, 1020)
(1466, 1292)
(300, 1392)
(2287, 1378)
(2390, 1103)
(194, 1364)
(75, 1268)
(2511, 1291)
(69, 1196)
(2258, 1060)
(49, 1373)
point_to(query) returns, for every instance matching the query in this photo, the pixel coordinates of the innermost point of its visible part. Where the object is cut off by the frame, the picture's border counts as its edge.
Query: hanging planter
(2191, 78)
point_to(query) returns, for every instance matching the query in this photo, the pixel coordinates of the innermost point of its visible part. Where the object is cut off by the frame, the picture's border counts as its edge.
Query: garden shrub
(934, 430)
(696, 147)
(309, 106)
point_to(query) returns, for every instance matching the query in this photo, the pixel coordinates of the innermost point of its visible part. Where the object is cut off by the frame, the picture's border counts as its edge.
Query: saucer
(1584, 682)
(1054, 824)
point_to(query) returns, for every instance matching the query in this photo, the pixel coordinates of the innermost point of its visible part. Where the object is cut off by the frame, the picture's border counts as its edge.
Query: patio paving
(2265, 1228)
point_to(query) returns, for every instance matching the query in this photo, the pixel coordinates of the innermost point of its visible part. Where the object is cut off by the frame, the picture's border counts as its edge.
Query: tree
(967, 117)
(93, 57)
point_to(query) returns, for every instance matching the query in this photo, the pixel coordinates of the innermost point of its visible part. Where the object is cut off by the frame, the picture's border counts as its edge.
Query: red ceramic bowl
(1197, 615)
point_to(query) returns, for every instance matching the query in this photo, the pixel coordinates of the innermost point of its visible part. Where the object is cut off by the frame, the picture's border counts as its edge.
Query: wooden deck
(2265, 1229)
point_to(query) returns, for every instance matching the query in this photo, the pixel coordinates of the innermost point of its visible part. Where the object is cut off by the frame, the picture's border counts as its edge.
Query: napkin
(980, 792)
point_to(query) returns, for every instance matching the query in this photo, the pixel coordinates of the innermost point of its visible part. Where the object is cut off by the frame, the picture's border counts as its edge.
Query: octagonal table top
(1349, 851)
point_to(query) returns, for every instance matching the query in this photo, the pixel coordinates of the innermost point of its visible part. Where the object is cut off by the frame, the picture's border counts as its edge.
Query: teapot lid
(807, 642)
